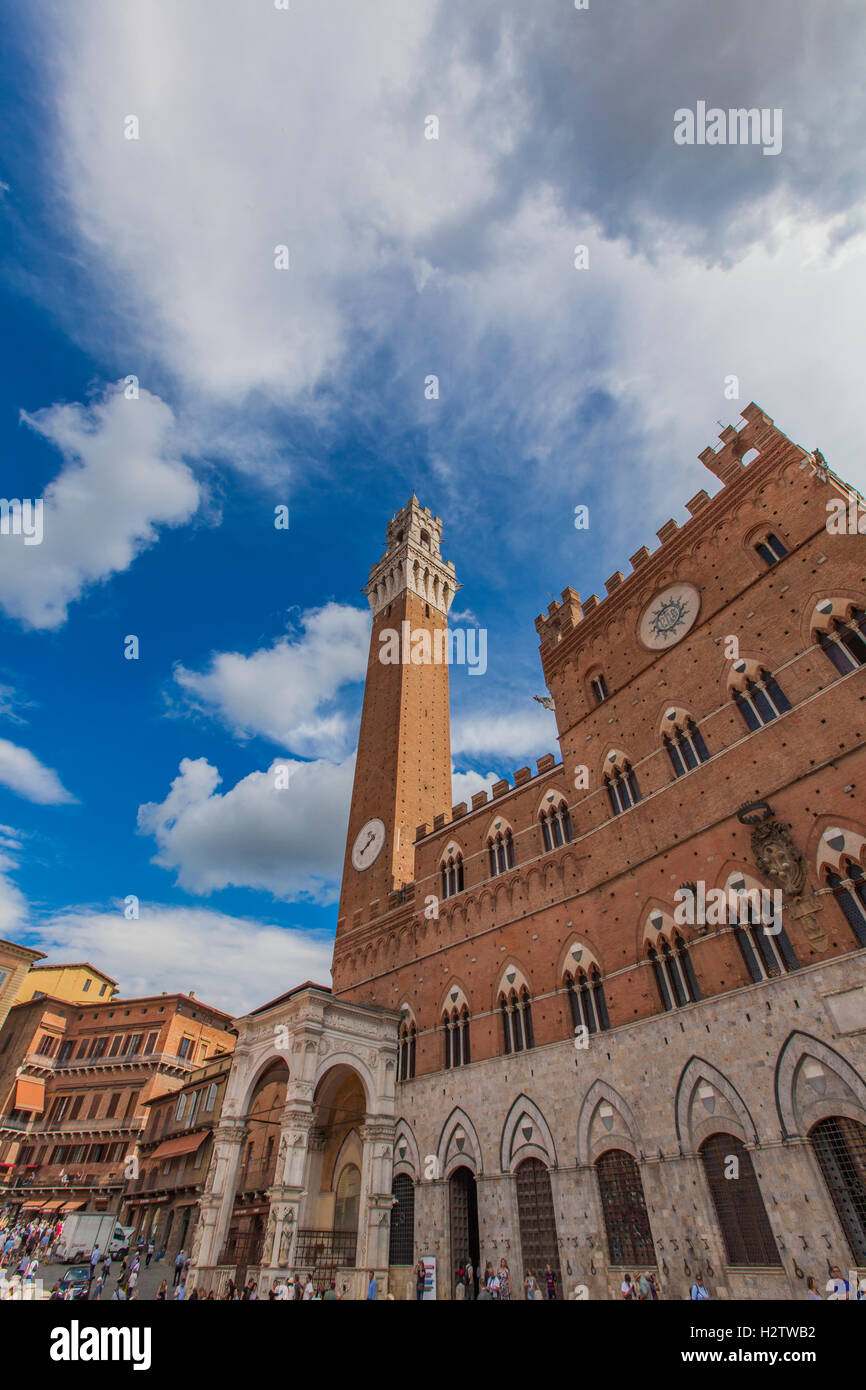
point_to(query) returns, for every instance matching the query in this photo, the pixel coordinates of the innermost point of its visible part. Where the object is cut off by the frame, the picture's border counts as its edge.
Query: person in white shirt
(308, 1288)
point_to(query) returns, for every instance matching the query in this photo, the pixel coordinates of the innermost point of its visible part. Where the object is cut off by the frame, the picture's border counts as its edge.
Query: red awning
(72, 1206)
(54, 1205)
(183, 1144)
(29, 1094)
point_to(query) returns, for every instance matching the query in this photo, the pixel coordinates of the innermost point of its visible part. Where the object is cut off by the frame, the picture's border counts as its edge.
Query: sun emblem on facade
(670, 615)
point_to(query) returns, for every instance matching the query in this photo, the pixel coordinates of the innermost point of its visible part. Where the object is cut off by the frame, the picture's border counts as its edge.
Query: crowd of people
(498, 1283)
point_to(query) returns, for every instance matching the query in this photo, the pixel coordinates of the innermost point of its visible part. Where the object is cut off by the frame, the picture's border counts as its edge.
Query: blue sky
(257, 387)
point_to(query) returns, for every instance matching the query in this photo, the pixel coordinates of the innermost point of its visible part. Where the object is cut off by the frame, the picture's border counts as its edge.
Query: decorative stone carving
(778, 858)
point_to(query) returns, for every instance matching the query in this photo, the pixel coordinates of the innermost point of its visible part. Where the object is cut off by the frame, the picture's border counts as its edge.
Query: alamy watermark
(419, 646)
(21, 517)
(737, 126)
(717, 907)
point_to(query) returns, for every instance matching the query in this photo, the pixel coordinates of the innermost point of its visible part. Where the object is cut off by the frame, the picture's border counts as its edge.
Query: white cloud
(118, 483)
(279, 691)
(23, 773)
(288, 841)
(14, 911)
(464, 785)
(508, 735)
(232, 963)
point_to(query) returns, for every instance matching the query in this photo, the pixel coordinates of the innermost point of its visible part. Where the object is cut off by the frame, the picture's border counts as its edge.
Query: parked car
(75, 1281)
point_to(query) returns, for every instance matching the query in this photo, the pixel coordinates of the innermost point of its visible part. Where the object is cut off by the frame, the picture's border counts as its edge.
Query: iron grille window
(538, 1242)
(465, 1244)
(740, 1210)
(850, 894)
(629, 1239)
(839, 1145)
(326, 1250)
(401, 1248)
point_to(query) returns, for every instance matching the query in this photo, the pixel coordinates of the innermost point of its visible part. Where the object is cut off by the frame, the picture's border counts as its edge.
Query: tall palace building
(612, 1016)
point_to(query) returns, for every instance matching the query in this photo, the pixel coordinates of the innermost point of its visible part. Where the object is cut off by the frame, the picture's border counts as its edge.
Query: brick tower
(403, 769)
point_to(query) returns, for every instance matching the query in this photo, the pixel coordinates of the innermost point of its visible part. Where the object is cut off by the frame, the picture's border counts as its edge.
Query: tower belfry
(403, 768)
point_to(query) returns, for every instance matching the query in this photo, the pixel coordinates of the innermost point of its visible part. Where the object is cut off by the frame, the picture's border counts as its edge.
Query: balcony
(73, 1065)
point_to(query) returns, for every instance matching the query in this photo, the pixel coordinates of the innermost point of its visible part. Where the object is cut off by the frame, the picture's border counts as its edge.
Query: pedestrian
(550, 1282)
(420, 1280)
(178, 1268)
(643, 1287)
(493, 1283)
(331, 1291)
(697, 1291)
(371, 1288)
(106, 1266)
(530, 1284)
(131, 1281)
(193, 1298)
(211, 1295)
(626, 1288)
(180, 1293)
(470, 1280)
(230, 1290)
(162, 1291)
(98, 1287)
(654, 1286)
(504, 1279)
(839, 1286)
(149, 1256)
(308, 1289)
(813, 1289)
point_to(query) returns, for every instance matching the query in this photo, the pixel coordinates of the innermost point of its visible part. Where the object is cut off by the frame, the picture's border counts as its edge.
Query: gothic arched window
(674, 973)
(740, 1209)
(586, 1000)
(685, 746)
(406, 1050)
(452, 875)
(598, 686)
(629, 1238)
(767, 953)
(555, 825)
(622, 789)
(761, 701)
(771, 549)
(516, 1010)
(849, 890)
(456, 1030)
(500, 849)
(845, 642)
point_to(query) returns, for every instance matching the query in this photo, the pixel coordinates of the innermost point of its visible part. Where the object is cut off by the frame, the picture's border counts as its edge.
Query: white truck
(82, 1230)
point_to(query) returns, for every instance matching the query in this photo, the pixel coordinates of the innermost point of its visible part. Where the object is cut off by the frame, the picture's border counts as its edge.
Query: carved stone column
(374, 1218)
(219, 1195)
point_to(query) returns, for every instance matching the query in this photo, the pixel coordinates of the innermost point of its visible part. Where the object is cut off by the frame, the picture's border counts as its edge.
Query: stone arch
(447, 1003)
(818, 613)
(333, 1070)
(504, 985)
(407, 1158)
(525, 1134)
(595, 1135)
(835, 839)
(571, 963)
(459, 1146)
(272, 1058)
(802, 1100)
(732, 1116)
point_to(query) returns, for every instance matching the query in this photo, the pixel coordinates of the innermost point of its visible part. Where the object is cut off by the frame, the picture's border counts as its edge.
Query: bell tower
(403, 769)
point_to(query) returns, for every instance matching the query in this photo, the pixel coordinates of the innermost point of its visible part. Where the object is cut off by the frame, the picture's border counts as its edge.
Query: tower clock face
(368, 844)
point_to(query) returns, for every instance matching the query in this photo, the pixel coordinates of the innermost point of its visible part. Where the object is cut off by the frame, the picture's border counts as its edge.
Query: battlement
(503, 787)
(755, 437)
(412, 560)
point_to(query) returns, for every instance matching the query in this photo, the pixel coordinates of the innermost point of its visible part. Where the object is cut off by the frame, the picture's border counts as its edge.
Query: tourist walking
(550, 1282)
(530, 1284)
(697, 1291)
(178, 1268)
(162, 1291)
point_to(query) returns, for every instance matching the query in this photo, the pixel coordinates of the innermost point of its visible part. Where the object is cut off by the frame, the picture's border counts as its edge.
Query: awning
(183, 1144)
(73, 1206)
(29, 1093)
(54, 1205)
(32, 1206)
